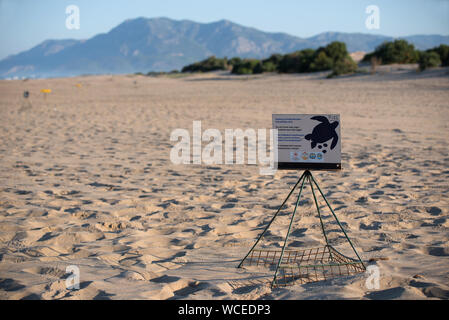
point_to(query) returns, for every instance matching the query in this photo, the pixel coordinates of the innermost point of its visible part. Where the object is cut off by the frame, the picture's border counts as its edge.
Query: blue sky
(26, 23)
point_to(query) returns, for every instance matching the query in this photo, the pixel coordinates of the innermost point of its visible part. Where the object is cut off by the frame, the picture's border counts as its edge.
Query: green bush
(398, 51)
(321, 62)
(443, 52)
(429, 60)
(343, 66)
(233, 61)
(258, 68)
(247, 66)
(326, 58)
(336, 51)
(274, 58)
(269, 66)
(296, 62)
(308, 60)
(243, 70)
(210, 64)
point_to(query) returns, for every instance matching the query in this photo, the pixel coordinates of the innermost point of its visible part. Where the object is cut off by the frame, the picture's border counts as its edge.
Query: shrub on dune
(344, 66)
(271, 64)
(233, 61)
(247, 66)
(429, 60)
(334, 55)
(321, 62)
(397, 51)
(443, 52)
(296, 62)
(210, 64)
(336, 51)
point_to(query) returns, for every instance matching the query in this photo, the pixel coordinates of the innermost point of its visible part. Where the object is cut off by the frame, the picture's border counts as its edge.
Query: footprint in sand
(183, 288)
(48, 271)
(375, 225)
(437, 251)
(434, 211)
(429, 289)
(392, 293)
(111, 226)
(7, 284)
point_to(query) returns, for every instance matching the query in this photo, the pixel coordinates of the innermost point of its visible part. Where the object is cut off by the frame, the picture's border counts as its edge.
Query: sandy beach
(86, 180)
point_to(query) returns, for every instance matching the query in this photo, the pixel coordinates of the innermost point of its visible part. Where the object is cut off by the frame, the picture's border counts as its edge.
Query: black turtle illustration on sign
(323, 132)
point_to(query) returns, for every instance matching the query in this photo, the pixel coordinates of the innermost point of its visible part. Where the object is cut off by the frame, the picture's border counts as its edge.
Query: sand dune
(86, 180)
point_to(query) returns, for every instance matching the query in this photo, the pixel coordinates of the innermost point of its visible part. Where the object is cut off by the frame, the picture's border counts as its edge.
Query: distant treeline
(334, 57)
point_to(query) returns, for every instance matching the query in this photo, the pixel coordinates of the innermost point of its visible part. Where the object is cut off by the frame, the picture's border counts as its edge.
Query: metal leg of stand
(306, 175)
(274, 217)
(319, 214)
(335, 216)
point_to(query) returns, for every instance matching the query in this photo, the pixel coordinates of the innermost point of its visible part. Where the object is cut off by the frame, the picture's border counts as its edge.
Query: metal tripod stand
(335, 259)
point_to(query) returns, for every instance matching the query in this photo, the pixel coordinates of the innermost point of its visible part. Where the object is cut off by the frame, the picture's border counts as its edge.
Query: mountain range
(162, 44)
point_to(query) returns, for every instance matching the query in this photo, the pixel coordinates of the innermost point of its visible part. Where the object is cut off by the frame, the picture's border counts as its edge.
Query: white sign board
(308, 141)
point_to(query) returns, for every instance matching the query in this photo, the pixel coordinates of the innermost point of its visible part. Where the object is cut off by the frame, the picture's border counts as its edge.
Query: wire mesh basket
(307, 265)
